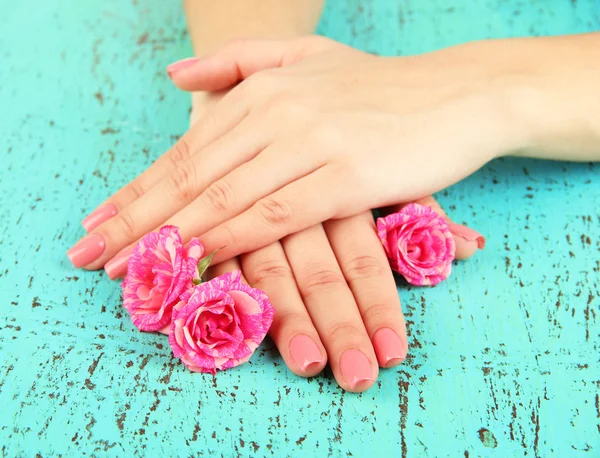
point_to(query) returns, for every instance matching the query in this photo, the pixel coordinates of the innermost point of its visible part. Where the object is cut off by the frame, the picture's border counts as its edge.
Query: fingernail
(181, 64)
(117, 266)
(87, 250)
(388, 347)
(98, 216)
(468, 234)
(356, 368)
(305, 352)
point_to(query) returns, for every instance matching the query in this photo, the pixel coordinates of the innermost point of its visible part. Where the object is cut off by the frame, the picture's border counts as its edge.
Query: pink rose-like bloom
(219, 324)
(418, 243)
(159, 270)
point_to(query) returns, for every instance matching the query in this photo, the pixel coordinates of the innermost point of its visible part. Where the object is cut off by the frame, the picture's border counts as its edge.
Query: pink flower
(418, 243)
(159, 270)
(219, 324)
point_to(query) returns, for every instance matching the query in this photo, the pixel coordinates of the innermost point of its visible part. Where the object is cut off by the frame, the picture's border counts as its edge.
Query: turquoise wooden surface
(504, 355)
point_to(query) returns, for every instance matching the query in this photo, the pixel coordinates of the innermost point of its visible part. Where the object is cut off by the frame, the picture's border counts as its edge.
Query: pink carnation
(159, 270)
(418, 243)
(219, 324)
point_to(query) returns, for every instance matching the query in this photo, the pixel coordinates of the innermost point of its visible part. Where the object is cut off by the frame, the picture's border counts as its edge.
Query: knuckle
(126, 225)
(363, 267)
(269, 270)
(182, 181)
(275, 212)
(220, 195)
(229, 237)
(181, 151)
(378, 312)
(322, 280)
(290, 318)
(341, 330)
(136, 189)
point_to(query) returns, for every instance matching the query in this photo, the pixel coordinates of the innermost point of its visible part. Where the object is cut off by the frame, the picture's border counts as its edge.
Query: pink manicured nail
(356, 368)
(117, 266)
(388, 347)
(468, 234)
(98, 216)
(305, 352)
(87, 250)
(181, 64)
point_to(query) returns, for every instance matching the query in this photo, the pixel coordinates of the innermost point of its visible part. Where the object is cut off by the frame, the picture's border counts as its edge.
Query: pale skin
(330, 282)
(345, 132)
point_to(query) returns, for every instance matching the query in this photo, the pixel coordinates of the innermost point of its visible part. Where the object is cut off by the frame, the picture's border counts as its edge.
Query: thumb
(240, 59)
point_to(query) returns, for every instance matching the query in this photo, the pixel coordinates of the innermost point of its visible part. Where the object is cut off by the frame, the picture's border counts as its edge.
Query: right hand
(334, 133)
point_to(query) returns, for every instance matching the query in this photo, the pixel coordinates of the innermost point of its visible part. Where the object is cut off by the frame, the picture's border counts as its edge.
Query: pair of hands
(312, 112)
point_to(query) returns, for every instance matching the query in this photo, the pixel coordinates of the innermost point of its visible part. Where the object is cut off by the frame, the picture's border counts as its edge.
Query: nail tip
(360, 381)
(110, 274)
(69, 255)
(308, 364)
(305, 352)
(396, 360)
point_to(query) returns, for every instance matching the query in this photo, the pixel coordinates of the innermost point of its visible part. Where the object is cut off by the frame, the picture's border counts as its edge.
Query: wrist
(543, 84)
(212, 24)
(510, 99)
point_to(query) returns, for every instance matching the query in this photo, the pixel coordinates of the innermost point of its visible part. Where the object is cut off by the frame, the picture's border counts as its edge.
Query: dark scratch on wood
(403, 385)
(121, 421)
(94, 364)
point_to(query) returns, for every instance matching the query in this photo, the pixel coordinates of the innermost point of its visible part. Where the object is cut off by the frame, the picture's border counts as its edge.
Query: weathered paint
(504, 355)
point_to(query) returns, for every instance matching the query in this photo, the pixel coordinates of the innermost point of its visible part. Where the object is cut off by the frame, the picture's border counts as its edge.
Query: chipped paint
(504, 356)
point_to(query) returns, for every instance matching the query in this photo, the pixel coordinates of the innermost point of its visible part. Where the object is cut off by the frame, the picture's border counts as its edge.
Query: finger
(240, 59)
(366, 269)
(234, 193)
(171, 194)
(292, 330)
(116, 267)
(231, 265)
(211, 127)
(466, 239)
(295, 207)
(332, 308)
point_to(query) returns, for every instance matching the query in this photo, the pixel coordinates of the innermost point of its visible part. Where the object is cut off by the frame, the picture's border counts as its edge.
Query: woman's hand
(332, 289)
(333, 292)
(331, 133)
(335, 298)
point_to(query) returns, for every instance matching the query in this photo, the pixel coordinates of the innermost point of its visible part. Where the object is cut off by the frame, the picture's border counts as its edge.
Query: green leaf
(205, 262)
(197, 281)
